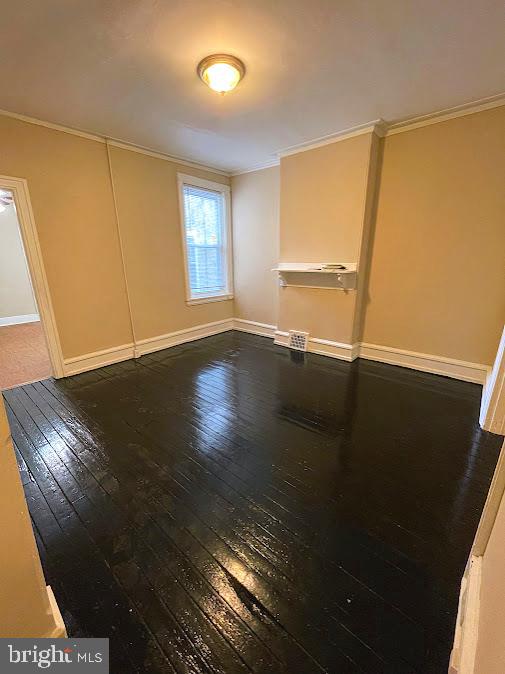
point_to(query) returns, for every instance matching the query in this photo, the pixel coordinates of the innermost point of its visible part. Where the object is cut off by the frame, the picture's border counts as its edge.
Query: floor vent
(298, 340)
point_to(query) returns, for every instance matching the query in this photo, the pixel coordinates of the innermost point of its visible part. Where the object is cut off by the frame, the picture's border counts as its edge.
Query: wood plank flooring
(226, 506)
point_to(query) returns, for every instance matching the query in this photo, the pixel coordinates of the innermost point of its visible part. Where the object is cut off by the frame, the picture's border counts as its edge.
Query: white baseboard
(457, 369)
(152, 344)
(17, 320)
(254, 328)
(467, 624)
(92, 361)
(59, 631)
(323, 347)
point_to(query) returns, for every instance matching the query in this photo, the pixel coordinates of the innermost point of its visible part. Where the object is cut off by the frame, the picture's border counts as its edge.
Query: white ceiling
(126, 68)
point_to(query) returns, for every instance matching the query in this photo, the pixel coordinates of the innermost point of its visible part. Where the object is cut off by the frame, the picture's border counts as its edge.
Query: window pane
(205, 241)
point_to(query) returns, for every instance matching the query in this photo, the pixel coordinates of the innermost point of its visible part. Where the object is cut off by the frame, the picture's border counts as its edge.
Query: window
(205, 215)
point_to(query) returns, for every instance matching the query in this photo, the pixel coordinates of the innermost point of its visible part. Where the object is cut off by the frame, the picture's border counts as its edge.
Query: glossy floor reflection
(223, 506)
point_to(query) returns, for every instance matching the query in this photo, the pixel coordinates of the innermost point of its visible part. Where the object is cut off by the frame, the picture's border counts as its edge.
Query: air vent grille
(298, 340)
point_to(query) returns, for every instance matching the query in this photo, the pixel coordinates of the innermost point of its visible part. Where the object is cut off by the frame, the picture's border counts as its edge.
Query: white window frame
(192, 181)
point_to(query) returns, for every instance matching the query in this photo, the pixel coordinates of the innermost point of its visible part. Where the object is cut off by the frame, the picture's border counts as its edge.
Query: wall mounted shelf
(334, 275)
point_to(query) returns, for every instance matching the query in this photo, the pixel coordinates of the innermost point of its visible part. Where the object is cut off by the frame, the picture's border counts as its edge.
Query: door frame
(33, 253)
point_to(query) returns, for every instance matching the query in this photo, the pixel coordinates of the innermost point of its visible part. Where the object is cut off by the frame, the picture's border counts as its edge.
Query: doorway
(29, 345)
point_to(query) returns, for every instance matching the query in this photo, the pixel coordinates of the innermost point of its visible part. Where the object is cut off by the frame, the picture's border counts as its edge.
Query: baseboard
(254, 328)
(59, 631)
(467, 624)
(152, 344)
(17, 320)
(323, 347)
(92, 361)
(448, 367)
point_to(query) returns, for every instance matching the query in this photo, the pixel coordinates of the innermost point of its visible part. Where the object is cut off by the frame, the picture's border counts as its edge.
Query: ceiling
(127, 68)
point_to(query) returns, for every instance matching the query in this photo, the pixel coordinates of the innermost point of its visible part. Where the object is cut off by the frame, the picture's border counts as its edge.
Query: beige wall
(68, 179)
(437, 279)
(255, 210)
(323, 218)
(16, 295)
(490, 658)
(71, 193)
(24, 604)
(148, 209)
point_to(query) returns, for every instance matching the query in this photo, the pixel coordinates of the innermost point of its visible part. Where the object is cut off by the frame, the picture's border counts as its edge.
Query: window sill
(206, 300)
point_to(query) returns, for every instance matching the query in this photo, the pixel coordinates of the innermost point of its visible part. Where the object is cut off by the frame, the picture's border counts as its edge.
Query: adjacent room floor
(23, 354)
(227, 506)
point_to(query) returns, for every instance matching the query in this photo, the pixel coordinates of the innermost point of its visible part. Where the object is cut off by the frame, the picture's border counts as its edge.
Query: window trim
(193, 181)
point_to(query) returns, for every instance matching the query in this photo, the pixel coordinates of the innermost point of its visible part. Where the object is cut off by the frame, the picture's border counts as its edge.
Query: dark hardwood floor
(226, 506)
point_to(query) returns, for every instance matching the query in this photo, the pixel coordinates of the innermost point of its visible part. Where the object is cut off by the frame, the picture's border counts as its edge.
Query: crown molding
(115, 142)
(123, 145)
(411, 123)
(376, 126)
(256, 167)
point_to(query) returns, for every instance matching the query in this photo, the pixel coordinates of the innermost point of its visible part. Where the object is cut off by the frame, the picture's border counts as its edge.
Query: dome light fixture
(221, 72)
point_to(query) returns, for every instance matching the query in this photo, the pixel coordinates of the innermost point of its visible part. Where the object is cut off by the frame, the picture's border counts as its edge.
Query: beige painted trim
(467, 624)
(92, 361)
(425, 362)
(19, 188)
(254, 328)
(492, 415)
(59, 631)
(120, 239)
(376, 126)
(470, 108)
(182, 336)
(116, 142)
(491, 506)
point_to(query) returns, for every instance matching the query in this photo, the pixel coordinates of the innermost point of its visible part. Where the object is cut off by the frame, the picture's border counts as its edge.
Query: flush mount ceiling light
(221, 72)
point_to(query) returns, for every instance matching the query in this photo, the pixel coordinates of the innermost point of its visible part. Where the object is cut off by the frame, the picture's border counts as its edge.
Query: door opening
(29, 346)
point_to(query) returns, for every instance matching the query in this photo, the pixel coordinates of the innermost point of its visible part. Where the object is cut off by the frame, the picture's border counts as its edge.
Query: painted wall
(24, 604)
(16, 295)
(71, 193)
(255, 212)
(437, 278)
(490, 657)
(148, 209)
(323, 213)
(68, 179)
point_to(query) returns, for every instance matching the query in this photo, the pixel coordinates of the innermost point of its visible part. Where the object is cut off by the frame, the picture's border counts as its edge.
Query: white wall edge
(92, 361)
(492, 410)
(59, 631)
(160, 342)
(448, 367)
(18, 320)
(254, 328)
(467, 623)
